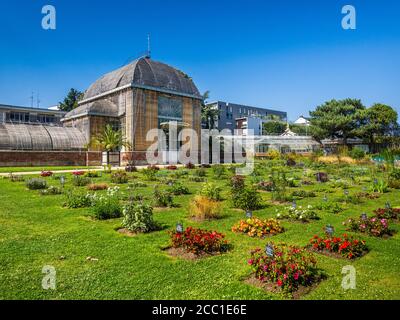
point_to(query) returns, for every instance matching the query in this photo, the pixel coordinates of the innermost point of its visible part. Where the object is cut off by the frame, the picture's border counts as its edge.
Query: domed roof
(147, 73)
(105, 108)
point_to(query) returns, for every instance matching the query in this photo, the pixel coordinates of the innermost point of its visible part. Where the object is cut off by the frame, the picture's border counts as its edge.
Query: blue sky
(288, 55)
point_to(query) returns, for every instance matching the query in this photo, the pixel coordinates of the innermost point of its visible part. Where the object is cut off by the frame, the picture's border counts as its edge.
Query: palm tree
(208, 113)
(110, 140)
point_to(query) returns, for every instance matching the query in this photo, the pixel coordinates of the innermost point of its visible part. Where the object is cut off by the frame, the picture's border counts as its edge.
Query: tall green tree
(209, 114)
(376, 124)
(273, 127)
(71, 100)
(336, 119)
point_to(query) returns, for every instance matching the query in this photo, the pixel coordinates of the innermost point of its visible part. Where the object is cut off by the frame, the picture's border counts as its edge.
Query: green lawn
(43, 168)
(36, 231)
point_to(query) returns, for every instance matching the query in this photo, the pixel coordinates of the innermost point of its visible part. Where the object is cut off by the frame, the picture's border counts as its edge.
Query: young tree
(110, 140)
(336, 119)
(377, 123)
(208, 113)
(71, 100)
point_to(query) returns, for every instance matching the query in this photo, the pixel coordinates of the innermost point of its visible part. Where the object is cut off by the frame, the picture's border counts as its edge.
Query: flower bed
(78, 173)
(298, 214)
(372, 226)
(255, 227)
(265, 185)
(345, 246)
(46, 174)
(387, 213)
(289, 268)
(198, 241)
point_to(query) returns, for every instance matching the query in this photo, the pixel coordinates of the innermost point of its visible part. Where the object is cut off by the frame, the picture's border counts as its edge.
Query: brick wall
(49, 158)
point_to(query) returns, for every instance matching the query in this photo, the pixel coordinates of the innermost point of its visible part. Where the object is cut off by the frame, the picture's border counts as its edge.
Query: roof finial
(148, 47)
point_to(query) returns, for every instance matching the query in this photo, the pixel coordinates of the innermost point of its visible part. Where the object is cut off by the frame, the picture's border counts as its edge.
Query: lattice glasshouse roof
(39, 137)
(144, 72)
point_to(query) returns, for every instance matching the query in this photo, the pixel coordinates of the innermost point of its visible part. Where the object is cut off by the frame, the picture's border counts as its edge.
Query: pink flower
(296, 276)
(250, 262)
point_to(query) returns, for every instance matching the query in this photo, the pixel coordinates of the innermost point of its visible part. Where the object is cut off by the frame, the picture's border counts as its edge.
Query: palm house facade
(136, 98)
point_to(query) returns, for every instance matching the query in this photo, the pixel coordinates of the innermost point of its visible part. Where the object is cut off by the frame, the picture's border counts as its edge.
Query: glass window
(169, 109)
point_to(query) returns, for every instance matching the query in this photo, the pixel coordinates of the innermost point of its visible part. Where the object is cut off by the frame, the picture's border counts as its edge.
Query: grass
(36, 231)
(45, 168)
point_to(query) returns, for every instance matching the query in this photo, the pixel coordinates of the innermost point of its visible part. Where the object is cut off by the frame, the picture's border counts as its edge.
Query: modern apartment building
(230, 112)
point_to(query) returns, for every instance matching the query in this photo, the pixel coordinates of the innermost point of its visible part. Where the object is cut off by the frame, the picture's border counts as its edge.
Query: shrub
(205, 165)
(150, 174)
(137, 184)
(329, 206)
(371, 226)
(153, 167)
(177, 188)
(199, 241)
(51, 191)
(288, 268)
(303, 194)
(279, 184)
(36, 184)
(255, 227)
(298, 213)
(387, 213)
(273, 155)
(265, 185)
(107, 168)
(78, 200)
(346, 246)
(162, 198)
(357, 153)
(138, 218)
(190, 166)
(197, 179)
(246, 199)
(97, 186)
(321, 177)
(290, 162)
(200, 172)
(307, 182)
(119, 177)
(106, 207)
(130, 168)
(80, 181)
(179, 174)
(237, 183)
(204, 208)
(218, 171)
(339, 184)
(395, 184)
(15, 178)
(92, 174)
(394, 179)
(379, 186)
(366, 195)
(211, 191)
(44, 174)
